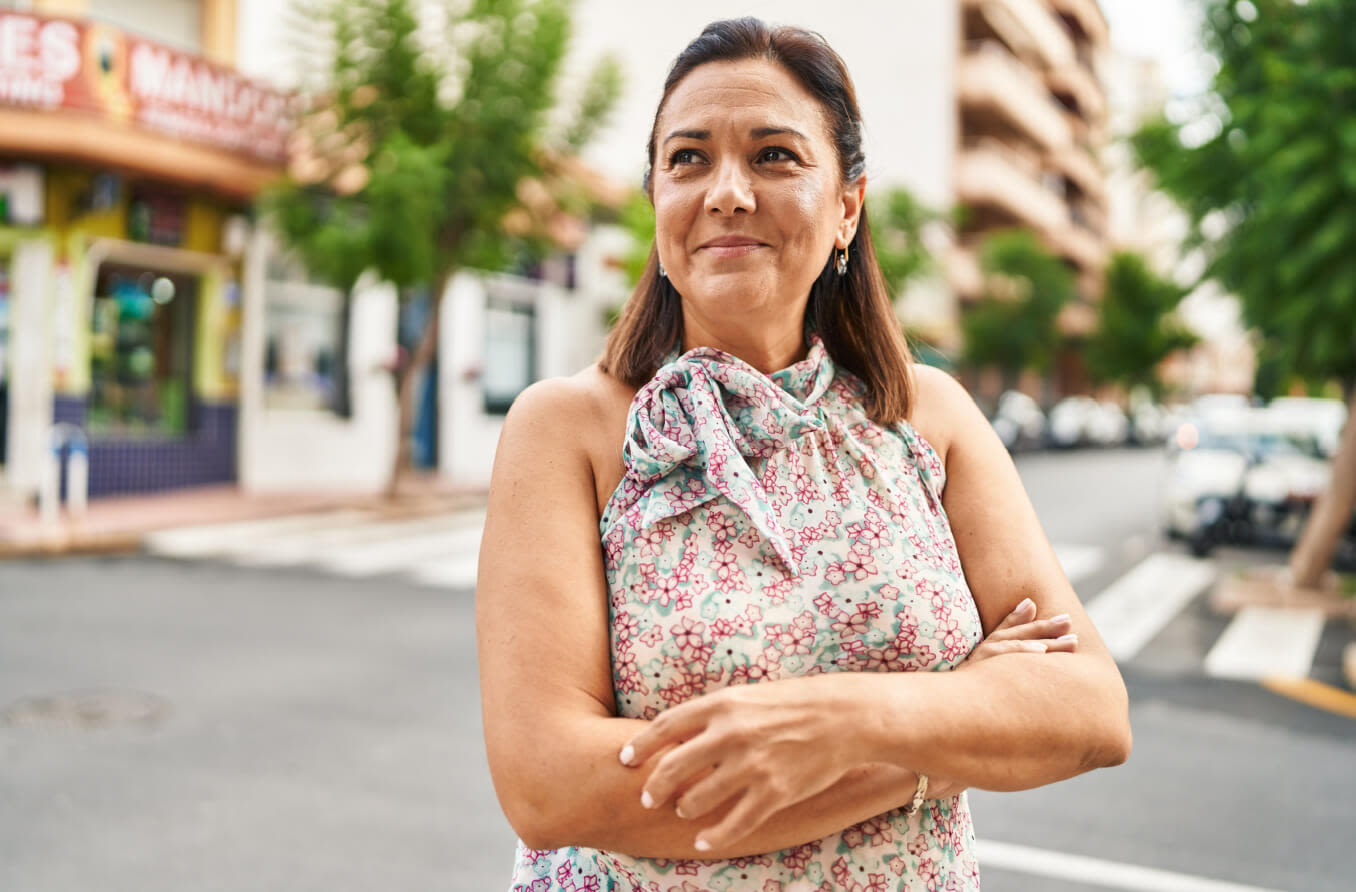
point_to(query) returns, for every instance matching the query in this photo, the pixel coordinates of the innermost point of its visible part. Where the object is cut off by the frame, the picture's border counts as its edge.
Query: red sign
(51, 63)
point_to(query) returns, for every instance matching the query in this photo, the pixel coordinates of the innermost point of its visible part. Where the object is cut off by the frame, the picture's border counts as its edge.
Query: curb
(65, 544)
(66, 541)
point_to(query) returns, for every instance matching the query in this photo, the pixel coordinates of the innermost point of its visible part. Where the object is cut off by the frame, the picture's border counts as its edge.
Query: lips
(731, 246)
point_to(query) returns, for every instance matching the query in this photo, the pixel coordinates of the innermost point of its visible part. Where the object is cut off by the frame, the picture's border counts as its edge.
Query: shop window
(510, 352)
(304, 334)
(141, 351)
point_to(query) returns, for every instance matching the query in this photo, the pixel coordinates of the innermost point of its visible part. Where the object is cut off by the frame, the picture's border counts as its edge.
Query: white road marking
(1080, 561)
(315, 545)
(1135, 607)
(1261, 642)
(452, 572)
(206, 540)
(1097, 872)
(390, 555)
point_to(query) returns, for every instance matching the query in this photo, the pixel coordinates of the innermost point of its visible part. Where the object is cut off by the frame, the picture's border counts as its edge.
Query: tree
(413, 162)
(1135, 327)
(897, 223)
(1014, 326)
(1267, 176)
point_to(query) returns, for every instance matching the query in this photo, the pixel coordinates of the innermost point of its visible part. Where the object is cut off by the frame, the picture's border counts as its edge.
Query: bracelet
(918, 795)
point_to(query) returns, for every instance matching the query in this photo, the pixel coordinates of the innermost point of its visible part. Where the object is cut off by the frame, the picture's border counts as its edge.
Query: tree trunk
(423, 353)
(1317, 543)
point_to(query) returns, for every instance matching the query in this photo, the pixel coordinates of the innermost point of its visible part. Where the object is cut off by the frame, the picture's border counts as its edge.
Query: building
(131, 149)
(1149, 223)
(1032, 117)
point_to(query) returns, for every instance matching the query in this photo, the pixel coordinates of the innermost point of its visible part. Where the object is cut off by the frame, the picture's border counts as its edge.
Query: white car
(1071, 421)
(1019, 421)
(1236, 475)
(1322, 419)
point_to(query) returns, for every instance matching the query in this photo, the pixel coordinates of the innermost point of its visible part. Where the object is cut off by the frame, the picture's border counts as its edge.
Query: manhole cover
(87, 709)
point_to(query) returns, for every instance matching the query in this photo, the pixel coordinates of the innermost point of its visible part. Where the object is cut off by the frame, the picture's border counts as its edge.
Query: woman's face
(749, 202)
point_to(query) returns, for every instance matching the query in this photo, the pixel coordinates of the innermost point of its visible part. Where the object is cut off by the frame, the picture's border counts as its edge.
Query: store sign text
(51, 64)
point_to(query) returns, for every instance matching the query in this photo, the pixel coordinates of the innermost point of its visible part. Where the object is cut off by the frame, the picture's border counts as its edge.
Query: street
(200, 724)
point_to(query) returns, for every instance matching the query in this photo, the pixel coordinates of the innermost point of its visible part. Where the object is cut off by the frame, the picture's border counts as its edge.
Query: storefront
(127, 175)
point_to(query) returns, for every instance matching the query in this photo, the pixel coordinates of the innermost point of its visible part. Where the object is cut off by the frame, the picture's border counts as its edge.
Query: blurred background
(271, 274)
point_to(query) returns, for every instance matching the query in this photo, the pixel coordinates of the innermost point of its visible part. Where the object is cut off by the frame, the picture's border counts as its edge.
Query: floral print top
(766, 528)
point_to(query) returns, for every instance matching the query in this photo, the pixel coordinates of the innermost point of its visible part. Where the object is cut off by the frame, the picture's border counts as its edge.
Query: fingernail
(1026, 604)
(1062, 618)
(627, 754)
(701, 845)
(646, 799)
(678, 810)
(1069, 637)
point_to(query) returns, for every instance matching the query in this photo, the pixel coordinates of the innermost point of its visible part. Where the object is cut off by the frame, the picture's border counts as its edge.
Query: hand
(1021, 632)
(766, 746)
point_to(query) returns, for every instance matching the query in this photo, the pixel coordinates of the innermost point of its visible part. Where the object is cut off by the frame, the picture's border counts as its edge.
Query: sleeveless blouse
(766, 528)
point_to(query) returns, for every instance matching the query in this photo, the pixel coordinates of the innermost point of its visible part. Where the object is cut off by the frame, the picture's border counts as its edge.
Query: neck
(768, 348)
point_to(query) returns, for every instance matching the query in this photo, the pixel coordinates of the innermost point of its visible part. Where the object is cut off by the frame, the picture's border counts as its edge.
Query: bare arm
(1049, 717)
(546, 685)
(1013, 722)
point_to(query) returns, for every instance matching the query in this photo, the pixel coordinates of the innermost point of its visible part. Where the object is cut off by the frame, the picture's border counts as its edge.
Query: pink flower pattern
(767, 528)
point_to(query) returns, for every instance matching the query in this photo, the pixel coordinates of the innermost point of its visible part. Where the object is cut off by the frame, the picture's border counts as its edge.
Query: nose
(731, 191)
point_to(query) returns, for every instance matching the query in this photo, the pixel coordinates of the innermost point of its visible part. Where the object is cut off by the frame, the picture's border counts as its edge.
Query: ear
(854, 194)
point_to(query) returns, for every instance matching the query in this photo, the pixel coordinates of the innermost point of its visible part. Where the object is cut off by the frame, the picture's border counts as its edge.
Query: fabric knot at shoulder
(693, 428)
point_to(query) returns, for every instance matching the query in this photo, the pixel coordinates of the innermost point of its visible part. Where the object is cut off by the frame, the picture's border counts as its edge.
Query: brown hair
(852, 313)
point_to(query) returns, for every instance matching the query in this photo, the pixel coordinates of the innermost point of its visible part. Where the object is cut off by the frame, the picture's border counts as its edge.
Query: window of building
(304, 336)
(510, 352)
(141, 351)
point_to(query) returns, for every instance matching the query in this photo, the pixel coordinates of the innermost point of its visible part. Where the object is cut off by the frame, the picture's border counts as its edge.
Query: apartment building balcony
(1084, 249)
(1087, 16)
(1074, 162)
(1075, 80)
(990, 174)
(1028, 27)
(992, 80)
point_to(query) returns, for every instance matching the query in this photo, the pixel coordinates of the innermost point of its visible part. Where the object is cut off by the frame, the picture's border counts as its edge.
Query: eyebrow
(756, 133)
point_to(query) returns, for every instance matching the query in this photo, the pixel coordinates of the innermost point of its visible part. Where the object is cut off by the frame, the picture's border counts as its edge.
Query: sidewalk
(119, 524)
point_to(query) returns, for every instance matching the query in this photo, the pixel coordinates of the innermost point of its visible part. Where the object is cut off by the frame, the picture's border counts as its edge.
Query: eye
(684, 156)
(776, 155)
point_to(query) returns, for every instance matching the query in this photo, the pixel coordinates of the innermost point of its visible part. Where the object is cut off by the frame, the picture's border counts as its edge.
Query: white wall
(30, 364)
(301, 450)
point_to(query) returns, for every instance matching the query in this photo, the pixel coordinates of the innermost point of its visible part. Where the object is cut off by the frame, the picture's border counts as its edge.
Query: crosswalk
(1129, 611)
(439, 550)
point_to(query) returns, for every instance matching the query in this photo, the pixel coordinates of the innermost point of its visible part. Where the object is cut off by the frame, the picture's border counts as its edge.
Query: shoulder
(943, 411)
(562, 420)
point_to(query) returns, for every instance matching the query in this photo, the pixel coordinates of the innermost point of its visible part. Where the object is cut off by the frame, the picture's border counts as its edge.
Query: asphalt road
(251, 729)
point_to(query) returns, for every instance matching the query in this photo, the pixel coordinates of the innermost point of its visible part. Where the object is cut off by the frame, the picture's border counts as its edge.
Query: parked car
(1148, 423)
(1236, 476)
(1070, 422)
(1323, 419)
(1018, 421)
(1108, 425)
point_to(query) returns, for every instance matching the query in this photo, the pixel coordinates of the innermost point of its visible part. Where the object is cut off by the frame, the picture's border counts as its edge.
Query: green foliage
(897, 222)
(433, 142)
(1135, 331)
(1013, 326)
(1276, 178)
(637, 218)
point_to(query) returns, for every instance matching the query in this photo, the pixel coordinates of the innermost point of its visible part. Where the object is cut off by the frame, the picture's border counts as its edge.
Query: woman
(794, 520)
